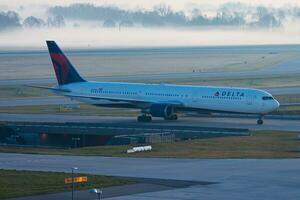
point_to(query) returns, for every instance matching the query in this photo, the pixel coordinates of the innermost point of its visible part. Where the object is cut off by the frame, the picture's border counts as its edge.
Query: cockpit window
(267, 98)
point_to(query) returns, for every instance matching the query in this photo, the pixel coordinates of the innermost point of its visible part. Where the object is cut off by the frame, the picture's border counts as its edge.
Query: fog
(158, 23)
(142, 37)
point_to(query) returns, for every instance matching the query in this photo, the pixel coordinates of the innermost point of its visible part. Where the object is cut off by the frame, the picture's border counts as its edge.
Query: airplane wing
(127, 100)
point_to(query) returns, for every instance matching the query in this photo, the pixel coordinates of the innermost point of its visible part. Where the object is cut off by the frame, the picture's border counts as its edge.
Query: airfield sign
(79, 179)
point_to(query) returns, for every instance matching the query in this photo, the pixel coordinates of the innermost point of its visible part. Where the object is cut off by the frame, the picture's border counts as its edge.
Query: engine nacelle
(161, 110)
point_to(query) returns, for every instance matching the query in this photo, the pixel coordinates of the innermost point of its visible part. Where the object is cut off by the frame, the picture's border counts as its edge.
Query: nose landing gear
(260, 120)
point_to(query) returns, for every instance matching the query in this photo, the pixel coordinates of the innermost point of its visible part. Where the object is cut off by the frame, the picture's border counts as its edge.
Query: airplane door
(249, 100)
(195, 97)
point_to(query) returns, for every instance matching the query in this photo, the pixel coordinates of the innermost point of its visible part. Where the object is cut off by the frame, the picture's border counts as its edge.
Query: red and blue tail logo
(64, 70)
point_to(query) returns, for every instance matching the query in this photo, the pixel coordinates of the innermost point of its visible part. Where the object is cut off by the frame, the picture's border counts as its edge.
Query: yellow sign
(78, 179)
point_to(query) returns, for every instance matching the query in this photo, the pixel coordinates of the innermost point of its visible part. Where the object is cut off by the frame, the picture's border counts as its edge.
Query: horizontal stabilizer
(49, 88)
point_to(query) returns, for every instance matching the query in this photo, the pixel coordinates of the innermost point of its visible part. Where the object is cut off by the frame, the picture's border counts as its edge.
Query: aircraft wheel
(144, 118)
(148, 118)
(260, 121)
(172, 117)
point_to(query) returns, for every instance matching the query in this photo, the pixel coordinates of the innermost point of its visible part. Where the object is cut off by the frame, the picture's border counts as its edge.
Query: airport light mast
(73, 168)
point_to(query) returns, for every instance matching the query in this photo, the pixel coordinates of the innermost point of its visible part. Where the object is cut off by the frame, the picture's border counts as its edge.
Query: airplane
(157, 100)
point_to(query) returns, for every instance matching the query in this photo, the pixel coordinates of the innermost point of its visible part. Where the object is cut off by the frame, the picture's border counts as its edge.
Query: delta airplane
(157, 100)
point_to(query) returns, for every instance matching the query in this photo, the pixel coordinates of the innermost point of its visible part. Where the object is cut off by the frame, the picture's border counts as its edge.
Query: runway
(282, 69)
(164, 77)
(235, 178)
(216, 122)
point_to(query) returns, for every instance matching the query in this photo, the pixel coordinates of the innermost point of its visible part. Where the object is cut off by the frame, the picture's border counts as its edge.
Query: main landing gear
(260, 120)
(148, 118)
(144, 118)
(172, 117)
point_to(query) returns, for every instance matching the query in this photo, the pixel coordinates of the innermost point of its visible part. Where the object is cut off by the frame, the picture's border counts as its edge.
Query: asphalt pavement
(143, 185)
(203, 121)
(239, 179)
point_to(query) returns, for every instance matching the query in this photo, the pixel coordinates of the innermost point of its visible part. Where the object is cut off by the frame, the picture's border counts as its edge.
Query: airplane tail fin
(64, 70)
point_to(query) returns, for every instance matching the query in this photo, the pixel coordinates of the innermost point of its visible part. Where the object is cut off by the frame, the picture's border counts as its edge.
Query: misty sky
(177, 4)
(36, 6)
(94, 37)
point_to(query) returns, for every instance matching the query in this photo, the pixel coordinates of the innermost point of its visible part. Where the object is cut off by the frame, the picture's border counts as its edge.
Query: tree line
(162, 15)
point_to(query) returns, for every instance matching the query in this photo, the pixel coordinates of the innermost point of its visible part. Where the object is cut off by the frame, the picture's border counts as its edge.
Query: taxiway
(216, 122)
(235, 178)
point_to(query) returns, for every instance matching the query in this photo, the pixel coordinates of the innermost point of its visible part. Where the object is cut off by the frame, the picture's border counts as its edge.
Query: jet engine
(161, 110)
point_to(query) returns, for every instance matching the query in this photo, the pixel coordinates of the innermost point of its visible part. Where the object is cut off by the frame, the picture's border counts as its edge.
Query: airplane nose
(272, 105)
(277, 104)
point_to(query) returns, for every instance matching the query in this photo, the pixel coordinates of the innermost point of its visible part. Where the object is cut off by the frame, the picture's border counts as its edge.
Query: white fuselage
(219, 99)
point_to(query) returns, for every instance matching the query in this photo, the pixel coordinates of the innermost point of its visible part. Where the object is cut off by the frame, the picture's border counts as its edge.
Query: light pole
(73, 168)
(76, 140)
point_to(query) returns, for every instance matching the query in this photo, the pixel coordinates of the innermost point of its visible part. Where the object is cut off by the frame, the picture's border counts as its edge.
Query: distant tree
(33, 22)
(200, 20)
(281, 14)
(109, 23)
(196, 13)
(227, 18)
(266, 19)
(228, 14)
(57, 21)
(126, 23)
(150, 19)
(9, 19)
(88, 12)
(163, 9)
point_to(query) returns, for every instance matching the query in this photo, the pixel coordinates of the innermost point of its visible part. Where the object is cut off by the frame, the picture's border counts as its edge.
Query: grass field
(270, 144)
(24, 183)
